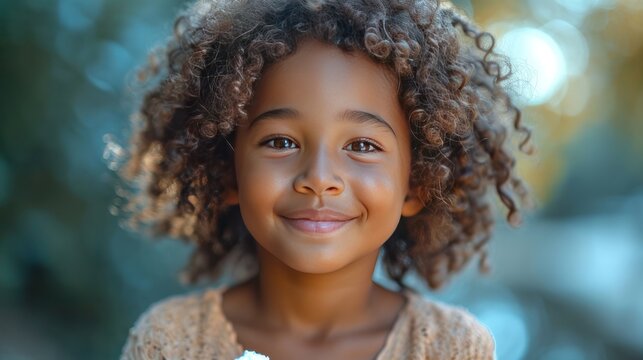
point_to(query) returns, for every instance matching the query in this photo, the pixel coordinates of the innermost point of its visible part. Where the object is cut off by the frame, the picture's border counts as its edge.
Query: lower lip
(316, 227)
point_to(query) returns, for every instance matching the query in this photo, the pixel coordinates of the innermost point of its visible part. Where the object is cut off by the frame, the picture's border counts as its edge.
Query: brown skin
(314, 296)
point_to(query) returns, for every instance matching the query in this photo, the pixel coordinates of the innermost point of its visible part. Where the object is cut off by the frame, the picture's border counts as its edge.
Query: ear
(412, 205)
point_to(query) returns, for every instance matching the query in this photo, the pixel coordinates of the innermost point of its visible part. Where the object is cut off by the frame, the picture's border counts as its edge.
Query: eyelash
(371, 145)
(277, 137)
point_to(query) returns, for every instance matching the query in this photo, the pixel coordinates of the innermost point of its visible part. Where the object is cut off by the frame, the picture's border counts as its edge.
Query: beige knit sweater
(194, 327)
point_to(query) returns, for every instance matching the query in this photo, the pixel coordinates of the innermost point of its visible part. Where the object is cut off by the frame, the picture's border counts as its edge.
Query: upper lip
(318, 215)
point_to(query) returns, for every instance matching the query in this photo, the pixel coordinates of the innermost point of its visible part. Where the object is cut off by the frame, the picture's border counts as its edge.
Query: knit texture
(193, 326)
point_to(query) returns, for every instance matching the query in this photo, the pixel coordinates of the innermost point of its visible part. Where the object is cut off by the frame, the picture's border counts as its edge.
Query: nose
(318, 176)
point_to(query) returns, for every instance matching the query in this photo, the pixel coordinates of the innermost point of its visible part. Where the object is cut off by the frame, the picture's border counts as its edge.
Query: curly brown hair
(459, 114)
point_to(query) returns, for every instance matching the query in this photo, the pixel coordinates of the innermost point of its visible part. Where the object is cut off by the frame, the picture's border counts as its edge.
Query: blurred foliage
(72, 281)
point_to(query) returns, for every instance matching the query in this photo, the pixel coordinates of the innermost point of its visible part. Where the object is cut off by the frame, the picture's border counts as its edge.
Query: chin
(313, 263)
(306, 260)
(315, 258)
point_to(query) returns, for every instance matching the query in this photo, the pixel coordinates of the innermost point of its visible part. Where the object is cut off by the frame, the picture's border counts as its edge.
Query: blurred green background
(567, 285)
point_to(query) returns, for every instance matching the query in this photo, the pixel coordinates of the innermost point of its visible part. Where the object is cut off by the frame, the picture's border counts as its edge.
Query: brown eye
(280, 143)
(362, 146)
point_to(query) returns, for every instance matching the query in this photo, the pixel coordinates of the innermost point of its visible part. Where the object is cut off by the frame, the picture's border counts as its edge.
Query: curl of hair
(450, 88)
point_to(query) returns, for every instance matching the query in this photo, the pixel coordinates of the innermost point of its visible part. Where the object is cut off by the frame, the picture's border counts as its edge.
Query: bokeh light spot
(109, 67)
(77, 15)
(539, 64)
(583, 7)
(507, 323)
(572, 44)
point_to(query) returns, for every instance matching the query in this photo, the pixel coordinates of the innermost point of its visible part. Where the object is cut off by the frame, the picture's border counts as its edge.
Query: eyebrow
(358, 116)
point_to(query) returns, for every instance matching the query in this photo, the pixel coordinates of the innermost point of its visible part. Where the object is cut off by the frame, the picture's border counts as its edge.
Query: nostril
(317, 185)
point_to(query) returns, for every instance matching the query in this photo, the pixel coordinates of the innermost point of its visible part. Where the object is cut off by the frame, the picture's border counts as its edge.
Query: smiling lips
(317, 221)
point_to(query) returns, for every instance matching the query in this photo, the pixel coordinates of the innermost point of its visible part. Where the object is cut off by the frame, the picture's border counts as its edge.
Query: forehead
(322, 77)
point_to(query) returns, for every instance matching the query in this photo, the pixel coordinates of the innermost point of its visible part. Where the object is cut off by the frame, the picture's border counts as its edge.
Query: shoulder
(452, 331)
(170, 328)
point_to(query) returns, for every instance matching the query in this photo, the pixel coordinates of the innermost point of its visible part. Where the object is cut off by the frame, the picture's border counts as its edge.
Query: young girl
(310, 136)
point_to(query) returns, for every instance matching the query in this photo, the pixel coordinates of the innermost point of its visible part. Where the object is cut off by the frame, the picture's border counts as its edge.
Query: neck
(318, 304)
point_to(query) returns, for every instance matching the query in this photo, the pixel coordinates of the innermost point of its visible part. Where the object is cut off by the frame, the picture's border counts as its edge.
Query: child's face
(319, 188)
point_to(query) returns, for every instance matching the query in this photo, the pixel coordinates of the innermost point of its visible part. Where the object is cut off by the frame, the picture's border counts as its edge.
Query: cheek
(260, 185)
(381, 189)
(256, 182)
